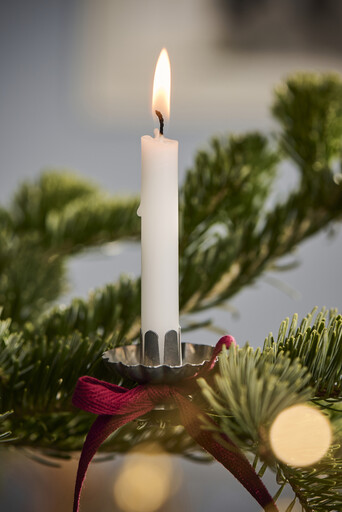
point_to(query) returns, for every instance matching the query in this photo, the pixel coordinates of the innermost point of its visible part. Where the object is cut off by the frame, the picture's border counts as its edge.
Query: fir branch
(233, 178)
(114, 309)
(38, 374)
(30, 277)
(5, 437)
(216, 269)
(68, 213)
(58, 435)
(38, 377)
(88, 222)
(309, 109)
(251, 389)
(53, 191)
(229, 236)
(317, 343)
(58, 215)
(318, 488)
(216, 265)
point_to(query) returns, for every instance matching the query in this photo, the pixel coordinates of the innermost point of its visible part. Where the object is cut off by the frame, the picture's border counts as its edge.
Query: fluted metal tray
(126, 361)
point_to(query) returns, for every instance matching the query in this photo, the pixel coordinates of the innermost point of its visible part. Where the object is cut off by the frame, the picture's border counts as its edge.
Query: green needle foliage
(309, 109)
(70, 214)
(234, 178)
(253, 387)
(111, 310)
(52, 192)
(316, 488)
(30, 276)
(233, 229)
(246, 402)
(317, 343)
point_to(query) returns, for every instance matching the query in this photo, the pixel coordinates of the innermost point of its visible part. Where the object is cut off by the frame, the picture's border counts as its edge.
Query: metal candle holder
(141, 363)
(150, 348)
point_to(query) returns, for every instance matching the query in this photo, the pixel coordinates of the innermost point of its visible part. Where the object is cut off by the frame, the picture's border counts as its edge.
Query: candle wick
(161, 122)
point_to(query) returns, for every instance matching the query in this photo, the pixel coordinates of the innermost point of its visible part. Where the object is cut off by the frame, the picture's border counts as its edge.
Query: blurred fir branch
(69, 213)
(233, 229)
(217, 266)
(30, 277)
(53, 191)
(5, 436)
(227, 248)
(86, 223)
(316, 488)
(110, 310)
(59, 215)
(233, 179)
(309, 110)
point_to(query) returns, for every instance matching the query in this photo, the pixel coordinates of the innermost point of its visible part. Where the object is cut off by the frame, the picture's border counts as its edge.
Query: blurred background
(75, 93)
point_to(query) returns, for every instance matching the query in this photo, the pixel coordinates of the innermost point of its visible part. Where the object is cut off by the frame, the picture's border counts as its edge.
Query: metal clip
(150, 355)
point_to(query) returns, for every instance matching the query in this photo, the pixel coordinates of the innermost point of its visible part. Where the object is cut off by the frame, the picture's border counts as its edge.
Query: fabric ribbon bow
(116, 406)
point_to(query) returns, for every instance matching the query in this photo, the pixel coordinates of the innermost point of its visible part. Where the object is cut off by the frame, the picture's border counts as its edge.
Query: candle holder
(150, 355)
(135, 363)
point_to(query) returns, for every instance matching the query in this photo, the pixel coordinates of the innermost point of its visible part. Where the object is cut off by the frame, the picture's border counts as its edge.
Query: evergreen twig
(232, 230)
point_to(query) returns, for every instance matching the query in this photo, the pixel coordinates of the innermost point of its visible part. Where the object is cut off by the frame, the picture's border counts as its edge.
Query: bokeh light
(148, 478)
(300, 435)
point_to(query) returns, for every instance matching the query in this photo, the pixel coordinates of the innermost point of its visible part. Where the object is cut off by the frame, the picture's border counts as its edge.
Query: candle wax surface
(159, 236)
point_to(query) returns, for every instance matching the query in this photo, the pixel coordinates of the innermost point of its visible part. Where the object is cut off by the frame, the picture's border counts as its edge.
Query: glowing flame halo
(162, 86)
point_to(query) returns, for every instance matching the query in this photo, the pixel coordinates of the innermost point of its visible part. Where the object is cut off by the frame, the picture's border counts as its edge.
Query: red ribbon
(117, 406)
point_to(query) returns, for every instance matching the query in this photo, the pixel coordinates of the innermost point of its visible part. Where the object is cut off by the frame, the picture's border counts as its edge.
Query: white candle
(159, 219)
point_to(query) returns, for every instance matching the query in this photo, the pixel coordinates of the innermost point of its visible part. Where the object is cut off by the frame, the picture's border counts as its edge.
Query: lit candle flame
(162, 86)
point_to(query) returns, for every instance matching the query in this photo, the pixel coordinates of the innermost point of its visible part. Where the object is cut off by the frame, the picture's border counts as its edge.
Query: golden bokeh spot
(300, 435)
(147, 479)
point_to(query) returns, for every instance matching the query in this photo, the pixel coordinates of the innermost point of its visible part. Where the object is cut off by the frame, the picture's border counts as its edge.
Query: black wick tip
(161, 122)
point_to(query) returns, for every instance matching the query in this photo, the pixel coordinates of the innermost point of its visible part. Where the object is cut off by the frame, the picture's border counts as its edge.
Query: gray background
(75, 93)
